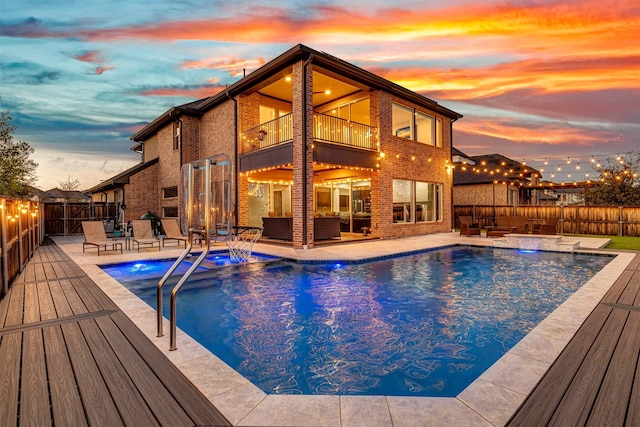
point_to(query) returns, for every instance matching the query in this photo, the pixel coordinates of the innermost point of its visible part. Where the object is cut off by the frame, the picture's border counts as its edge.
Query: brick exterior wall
(302, 163)
(142, 193)
(405, 159)
(168, 167)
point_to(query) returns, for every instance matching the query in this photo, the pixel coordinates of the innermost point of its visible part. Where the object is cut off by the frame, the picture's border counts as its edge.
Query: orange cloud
(93, 56)
(191, 92)
(532, 133)
(234, 66)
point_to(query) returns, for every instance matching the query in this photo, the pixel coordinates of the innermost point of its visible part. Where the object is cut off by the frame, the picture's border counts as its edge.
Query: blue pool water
(426, 324)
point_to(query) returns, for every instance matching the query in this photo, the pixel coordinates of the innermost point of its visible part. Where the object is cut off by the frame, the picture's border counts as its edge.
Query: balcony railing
(340, 131)
(325, 128)
(268, 134)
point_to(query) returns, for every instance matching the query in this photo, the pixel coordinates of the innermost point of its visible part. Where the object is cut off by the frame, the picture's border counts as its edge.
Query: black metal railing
(268, 134)
(340, 131)
(326, 128)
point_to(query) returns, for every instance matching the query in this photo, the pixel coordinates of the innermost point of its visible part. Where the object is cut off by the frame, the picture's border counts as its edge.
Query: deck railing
(326, 128)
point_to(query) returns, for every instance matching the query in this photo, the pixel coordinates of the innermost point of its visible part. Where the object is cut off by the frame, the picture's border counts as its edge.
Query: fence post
(621, 222)
(562, 219)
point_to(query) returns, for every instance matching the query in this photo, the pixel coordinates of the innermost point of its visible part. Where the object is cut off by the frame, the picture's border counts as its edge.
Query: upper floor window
(177, 135)
(169, 192)
(411, 124)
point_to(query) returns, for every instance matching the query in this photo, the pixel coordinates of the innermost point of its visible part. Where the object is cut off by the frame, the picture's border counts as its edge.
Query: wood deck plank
(63, 308)
(66, 403)
(633, 413)
(75, 302)
(10, 350)
(613, 295)
(190, 398)
(543, 401)
(31, 311)
(132, 407)
(628, 296)
(613, 397)
(81, 286)
(577, 402)
(102, 298)
(49, 272)
(98, 404)
(16, 305)
(34, 401)
(45, 302)
(151, 388)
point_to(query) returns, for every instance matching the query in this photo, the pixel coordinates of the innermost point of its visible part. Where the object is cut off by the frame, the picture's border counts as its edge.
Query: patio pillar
(302, 155)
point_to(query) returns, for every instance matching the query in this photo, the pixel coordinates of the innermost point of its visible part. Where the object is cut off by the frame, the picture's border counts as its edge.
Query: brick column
(302, 163)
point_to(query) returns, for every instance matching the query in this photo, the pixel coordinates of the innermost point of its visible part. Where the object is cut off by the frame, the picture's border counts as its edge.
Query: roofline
(122, 178)
(296, 53)
(168, 116)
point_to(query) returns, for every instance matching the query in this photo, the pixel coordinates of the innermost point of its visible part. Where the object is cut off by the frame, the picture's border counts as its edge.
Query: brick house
(493, 179)
(310, 136)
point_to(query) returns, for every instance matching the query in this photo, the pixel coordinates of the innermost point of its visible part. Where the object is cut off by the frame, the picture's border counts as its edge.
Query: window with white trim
(412, 124)
(416, 201)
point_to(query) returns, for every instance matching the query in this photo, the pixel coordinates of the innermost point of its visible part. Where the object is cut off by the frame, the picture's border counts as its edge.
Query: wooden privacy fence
(21, 232)
(65, 218)
(597, 220)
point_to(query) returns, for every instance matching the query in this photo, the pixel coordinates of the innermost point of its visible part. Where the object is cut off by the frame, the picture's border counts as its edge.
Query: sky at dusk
(536, 80)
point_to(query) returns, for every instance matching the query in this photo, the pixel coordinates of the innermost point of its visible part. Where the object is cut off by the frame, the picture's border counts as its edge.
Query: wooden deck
(70, 357)
(596, 379)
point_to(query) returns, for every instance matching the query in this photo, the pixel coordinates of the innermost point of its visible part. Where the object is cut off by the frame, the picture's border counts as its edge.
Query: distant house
(57, 195)
(310, 136)
(493, 179)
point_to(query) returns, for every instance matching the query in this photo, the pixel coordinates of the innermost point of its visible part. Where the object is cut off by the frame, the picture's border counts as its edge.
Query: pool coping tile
(489, 400)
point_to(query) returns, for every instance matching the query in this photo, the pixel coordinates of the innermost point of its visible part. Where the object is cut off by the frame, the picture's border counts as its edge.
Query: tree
(17, 170)
(619, 182)
(69, 184)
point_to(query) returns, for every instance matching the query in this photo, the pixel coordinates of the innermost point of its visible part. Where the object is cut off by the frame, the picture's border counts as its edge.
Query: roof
(487, 168)
(122, 178)
(297, 53)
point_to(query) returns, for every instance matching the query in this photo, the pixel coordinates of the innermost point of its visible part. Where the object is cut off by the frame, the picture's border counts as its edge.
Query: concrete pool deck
(490, 400)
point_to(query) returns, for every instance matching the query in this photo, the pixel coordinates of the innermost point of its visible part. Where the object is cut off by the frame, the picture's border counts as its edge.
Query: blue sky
(536, 80)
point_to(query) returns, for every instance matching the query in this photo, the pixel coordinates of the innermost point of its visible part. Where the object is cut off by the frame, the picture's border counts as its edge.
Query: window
(169, 192)
(402, 121)
(411, 124)
(177, 135)
(170, 212)
(416, 201)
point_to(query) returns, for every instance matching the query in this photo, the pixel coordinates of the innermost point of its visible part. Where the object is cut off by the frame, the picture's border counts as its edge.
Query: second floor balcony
(326, 128)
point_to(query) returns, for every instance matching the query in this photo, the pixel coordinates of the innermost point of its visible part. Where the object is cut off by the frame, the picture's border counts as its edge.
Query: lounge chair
(468, 227)
(547, 228)
(143, 235)
(94, 235)
(172, 232)
(503, 226)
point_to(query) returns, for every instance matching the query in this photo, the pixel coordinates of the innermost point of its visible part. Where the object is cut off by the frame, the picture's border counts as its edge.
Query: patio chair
(172, 232)
(547, 228)
(94, 235)
(467, 227)
(521, 223)
(143, 234)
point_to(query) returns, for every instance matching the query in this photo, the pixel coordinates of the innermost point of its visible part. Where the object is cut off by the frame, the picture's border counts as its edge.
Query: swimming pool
(421, 325)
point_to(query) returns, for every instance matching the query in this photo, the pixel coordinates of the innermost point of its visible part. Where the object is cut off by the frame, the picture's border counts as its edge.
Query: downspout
(236, 162)
(304, 150)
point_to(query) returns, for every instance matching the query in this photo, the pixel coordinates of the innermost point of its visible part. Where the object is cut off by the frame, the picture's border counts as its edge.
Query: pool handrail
(174, 293)
(164, 279)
